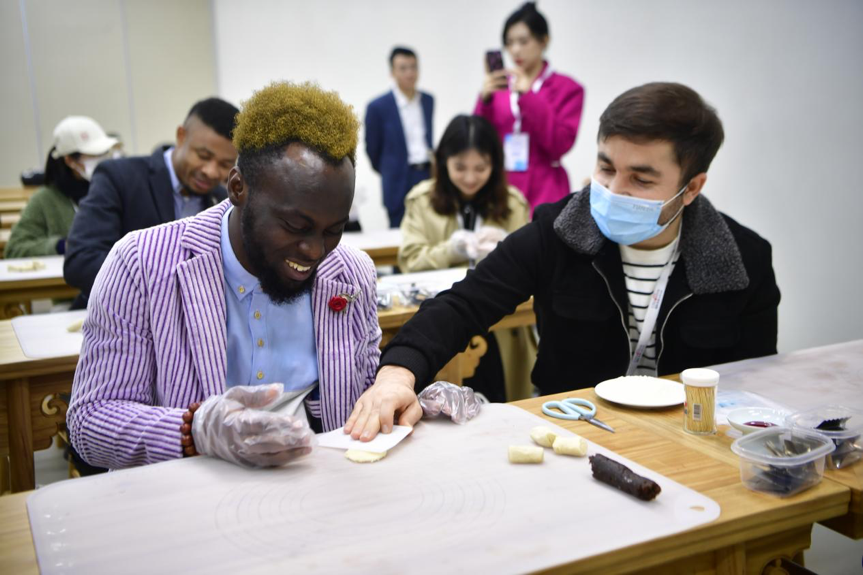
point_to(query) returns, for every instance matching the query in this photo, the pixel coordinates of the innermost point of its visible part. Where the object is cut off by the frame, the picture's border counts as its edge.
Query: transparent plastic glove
(462, 245)
(234, 427)
(487, 239)
(459, 403)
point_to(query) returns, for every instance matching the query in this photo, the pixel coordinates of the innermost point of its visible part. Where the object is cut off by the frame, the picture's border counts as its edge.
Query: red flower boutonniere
(340, 302)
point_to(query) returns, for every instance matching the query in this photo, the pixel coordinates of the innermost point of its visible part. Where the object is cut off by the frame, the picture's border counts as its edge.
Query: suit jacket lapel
(427, 104)
(202, 286)
(397, 118)
(334, 341)
(161, 188)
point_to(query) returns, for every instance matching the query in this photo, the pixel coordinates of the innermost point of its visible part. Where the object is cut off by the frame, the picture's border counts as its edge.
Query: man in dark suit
(140, 192)
(399, 134)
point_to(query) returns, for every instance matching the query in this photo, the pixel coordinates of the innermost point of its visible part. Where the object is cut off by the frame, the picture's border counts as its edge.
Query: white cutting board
(45, 335)
(445, 500)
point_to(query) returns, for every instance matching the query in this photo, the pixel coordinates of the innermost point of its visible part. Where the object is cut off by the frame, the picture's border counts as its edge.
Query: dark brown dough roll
(617, 475)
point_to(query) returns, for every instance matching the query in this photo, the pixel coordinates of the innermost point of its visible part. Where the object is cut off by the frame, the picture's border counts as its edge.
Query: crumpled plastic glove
(487, 239)
(459, 403)
(462, 245)
(234, 427)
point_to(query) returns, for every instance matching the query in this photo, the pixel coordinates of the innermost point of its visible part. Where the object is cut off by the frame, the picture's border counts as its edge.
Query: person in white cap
(80, 144)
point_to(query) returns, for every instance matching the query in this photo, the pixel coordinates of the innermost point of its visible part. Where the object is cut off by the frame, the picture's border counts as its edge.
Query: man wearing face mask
(140, 192)
(636, 274)
(79, 146)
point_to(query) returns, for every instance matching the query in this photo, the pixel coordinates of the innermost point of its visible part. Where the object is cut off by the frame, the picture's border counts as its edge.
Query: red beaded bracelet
(186, 439)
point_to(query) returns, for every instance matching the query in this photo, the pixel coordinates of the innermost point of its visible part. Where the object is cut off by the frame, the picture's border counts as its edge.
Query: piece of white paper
(338, 439)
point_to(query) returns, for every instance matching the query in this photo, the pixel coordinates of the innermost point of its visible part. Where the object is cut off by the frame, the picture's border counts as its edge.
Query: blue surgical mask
(626, 220)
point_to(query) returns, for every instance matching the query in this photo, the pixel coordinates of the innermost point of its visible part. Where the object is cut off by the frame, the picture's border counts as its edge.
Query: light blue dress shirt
(267, 343)
(184, 206)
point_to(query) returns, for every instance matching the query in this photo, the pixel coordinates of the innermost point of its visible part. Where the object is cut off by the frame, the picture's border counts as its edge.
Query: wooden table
(381, 245)
(8, 221)
(31, 413)
(751, 530)
(804, 379)
(22, 193)
(18, 289)
(4, 239)
(12, 206)
(464, 364)
(17, 554)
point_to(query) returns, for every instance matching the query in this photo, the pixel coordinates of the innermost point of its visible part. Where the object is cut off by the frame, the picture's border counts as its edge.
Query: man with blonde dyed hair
(237, 332)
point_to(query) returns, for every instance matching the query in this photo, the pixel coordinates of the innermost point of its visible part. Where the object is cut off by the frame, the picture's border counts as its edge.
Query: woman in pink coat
(535, 110)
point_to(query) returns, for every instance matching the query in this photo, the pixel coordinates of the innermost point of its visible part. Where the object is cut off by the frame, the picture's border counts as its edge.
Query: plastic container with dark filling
(781, 461)
(843, 425)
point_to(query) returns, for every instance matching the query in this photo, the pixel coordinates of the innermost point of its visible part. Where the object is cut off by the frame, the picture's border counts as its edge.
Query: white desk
(18, 289)
(802, 379)
(381, 245)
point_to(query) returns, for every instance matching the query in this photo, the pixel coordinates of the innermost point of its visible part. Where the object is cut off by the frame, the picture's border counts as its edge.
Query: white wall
(785, 76)
(135, 66)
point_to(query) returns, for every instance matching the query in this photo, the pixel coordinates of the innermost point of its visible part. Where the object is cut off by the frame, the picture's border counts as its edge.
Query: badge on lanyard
(516, 146)
(516, 152)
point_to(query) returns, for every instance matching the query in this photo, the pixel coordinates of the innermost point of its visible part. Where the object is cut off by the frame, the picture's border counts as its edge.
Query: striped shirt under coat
(155, 340)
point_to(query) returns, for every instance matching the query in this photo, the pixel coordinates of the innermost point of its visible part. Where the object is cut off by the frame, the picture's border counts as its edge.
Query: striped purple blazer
(155, 340)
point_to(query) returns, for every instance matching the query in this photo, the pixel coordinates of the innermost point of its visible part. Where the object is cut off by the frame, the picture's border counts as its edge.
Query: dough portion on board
(32, 266)
(525, 454)
(360, 456)
(75, 326)
(543, 436)
(575, 445)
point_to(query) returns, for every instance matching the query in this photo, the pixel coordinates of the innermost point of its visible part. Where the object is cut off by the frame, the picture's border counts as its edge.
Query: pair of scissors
(573, 408)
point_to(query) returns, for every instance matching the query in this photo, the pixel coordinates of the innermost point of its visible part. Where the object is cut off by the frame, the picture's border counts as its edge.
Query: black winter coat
(720, 305)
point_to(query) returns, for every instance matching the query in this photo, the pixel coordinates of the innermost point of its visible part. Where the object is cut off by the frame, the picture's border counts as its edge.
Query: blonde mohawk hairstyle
(284, 112)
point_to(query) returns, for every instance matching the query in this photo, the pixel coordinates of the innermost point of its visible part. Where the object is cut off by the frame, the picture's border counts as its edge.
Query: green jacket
(46, 219)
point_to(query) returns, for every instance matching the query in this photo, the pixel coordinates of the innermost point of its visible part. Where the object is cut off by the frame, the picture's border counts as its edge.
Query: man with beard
(199, 329)
(136, 193)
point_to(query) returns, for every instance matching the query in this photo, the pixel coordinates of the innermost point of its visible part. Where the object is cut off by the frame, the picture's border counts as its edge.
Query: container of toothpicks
(699, 411)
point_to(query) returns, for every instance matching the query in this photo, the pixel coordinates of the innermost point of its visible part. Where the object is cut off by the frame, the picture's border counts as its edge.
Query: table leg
(731, 560)
(20, 435)
(463, 365)
(4, 474)
(8, 310)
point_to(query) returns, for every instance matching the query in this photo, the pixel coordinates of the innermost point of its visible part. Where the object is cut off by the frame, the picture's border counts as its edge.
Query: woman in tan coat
(456, 219)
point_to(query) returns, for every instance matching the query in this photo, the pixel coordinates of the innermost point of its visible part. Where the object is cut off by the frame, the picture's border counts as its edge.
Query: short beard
(271, 283)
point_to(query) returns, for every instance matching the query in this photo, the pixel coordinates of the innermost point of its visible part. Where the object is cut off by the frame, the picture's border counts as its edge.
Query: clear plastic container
(849, 447)
(782, 461)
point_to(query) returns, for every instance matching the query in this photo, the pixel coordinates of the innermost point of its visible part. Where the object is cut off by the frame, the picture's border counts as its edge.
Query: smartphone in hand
(494, 60)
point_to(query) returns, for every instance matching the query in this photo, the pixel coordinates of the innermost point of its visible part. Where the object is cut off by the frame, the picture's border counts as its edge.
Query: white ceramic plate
(641, 391)
(738, 418)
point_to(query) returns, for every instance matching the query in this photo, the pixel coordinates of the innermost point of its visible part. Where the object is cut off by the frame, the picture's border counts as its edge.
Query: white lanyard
(477, 224)
(652, 312)
(477, 221)
(513, 97)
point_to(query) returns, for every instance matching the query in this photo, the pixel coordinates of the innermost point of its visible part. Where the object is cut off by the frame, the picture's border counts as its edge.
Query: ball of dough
(525, 454)
(75, 326)
(543, 436)
(574, 445)
(360, 456)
